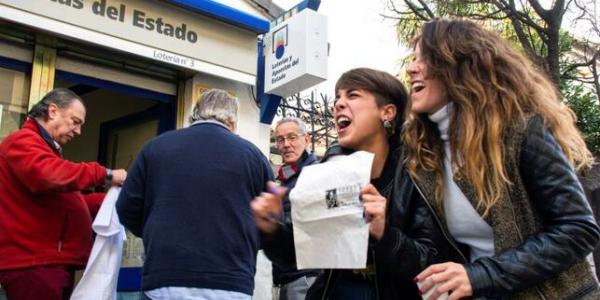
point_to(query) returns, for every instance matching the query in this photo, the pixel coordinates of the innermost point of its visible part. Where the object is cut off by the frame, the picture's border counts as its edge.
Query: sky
(358, 36)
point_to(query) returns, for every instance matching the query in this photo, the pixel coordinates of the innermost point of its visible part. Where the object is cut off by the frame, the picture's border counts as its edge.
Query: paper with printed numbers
(327, 213)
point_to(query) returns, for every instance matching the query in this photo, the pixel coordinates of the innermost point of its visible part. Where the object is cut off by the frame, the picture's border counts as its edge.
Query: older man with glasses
(292, 141)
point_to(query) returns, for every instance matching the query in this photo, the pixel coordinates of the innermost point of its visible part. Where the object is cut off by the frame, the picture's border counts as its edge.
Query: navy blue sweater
(187, 195)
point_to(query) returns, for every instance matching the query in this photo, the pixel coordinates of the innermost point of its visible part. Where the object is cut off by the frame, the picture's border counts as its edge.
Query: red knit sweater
(44, 218)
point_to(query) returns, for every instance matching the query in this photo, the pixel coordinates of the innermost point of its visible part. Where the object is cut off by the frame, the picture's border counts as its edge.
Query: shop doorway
(120, 119)
(122, 138)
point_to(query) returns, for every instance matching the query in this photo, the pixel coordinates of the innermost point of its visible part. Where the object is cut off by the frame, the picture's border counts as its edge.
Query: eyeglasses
(280, 140)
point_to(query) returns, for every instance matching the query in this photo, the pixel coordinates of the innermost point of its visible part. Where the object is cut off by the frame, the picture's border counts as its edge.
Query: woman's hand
(447, 277)
(375, 208)
(267, 208)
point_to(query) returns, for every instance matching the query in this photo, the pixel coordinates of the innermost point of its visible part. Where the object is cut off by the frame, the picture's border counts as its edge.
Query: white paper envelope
(327, 214)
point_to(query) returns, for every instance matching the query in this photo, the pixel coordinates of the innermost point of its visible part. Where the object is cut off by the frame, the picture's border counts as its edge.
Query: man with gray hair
(188, 196)
(292, 141)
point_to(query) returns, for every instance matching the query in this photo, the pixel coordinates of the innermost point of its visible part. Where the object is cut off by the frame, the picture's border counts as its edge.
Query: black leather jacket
(407, 247)
(543, 227)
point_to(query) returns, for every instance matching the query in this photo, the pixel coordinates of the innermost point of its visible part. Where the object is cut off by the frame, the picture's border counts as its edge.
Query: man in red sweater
(45, 220)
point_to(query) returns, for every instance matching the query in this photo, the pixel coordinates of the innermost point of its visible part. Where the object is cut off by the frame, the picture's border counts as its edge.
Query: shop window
(14, 99)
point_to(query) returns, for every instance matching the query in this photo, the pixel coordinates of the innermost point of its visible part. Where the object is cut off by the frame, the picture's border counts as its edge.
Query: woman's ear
(388, 112)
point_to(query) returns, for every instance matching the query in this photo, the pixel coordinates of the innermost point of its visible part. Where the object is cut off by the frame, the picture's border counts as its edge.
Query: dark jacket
(44, 218)
(279, 248)
(407, 246)
(188, 196)
(543, 227)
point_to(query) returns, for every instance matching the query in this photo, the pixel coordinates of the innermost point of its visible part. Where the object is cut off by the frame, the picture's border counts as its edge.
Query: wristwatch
(109, 176)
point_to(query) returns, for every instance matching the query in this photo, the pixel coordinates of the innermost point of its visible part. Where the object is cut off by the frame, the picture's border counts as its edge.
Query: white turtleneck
(464, 223)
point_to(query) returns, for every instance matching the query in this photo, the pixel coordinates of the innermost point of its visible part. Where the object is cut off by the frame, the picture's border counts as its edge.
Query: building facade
(139, 66)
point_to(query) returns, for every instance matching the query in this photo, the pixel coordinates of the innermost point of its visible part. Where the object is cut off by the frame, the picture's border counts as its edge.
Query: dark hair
(59, 96)
(386, 88)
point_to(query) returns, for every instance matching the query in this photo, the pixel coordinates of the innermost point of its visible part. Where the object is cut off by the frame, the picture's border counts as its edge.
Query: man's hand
(118, 177)
(375, 208)
(267, 208)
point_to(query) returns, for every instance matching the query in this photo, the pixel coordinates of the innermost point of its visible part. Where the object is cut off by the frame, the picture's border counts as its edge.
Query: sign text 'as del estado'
(138, 18)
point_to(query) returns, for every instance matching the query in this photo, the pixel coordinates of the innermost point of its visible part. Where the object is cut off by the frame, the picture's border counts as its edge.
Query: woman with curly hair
(494, 150)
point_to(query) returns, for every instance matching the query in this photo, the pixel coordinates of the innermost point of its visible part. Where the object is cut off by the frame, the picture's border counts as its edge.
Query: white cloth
(184, 293)
(464, 222)
(99, 281)
(327, 214)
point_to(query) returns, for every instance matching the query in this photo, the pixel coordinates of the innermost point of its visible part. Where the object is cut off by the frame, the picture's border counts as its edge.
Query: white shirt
(185, 293)
(99, 280)
(463, 221)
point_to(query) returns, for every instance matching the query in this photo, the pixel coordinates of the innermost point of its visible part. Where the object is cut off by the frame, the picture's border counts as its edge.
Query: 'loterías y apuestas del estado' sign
(296, 54)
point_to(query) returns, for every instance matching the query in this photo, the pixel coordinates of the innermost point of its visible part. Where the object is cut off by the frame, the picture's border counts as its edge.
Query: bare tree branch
(416, 10)
(385, 16)
(586, 80)
(494, 15)
(596, 82)
(543, 13)
(517, 26)
(574, 66)
(427, 9)
(392, 6)
(557, 11)
(541, 31)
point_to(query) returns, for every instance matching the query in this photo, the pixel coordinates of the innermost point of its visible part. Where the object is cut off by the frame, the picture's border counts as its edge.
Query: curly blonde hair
(493, 86)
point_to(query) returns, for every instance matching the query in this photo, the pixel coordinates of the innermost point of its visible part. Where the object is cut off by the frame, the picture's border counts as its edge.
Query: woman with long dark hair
(494, 150)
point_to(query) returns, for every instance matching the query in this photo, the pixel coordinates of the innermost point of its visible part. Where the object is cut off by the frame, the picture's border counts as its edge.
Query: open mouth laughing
(342, 122)
(417, 86)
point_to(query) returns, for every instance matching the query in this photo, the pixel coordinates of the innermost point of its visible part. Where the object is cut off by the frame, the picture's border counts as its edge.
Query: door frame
(165, 110)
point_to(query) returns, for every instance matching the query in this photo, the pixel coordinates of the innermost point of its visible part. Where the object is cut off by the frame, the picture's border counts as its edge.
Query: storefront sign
(296, 54)
(139, 19)
(154, 29)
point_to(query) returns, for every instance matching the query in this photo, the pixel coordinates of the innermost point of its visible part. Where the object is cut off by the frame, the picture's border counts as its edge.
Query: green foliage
(566, 45)
(581, 100)
(585, 105)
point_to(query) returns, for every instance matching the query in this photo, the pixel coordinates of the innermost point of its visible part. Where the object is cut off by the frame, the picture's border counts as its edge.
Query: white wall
(249, 126)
